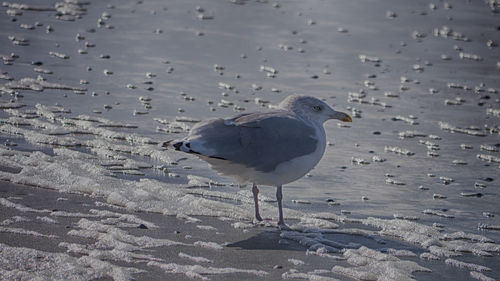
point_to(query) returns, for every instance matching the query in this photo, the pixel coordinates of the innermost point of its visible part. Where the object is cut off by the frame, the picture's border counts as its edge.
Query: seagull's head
(312, 109)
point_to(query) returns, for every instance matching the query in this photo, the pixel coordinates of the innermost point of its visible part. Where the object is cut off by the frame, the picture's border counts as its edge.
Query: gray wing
(258, 140)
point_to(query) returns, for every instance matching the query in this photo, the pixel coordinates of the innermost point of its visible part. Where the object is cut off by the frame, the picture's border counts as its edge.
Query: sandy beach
(89, 90)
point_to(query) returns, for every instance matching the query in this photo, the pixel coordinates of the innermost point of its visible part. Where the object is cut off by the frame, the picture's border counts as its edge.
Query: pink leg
(255, 192)
(279, 197)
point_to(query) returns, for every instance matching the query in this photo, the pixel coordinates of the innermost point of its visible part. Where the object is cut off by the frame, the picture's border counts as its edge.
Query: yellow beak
(346, 118)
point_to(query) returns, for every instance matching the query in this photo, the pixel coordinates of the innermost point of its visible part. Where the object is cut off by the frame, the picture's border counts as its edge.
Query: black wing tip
(176, 145)
(217, 157)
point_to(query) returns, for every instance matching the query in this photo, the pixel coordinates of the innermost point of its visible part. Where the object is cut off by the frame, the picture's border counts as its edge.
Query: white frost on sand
(14, 219)
(316, 240)
(206, 227)
(36, 85)
(480, 276)
(6, 203)
(373, 265)
(470, 266)
(296, 261)
(103, 254)
(429, 257)
(25, 232)
(467, 236)
(437, 213)
(47, 219)
(208, 245)
(401, 253)
(199, 271)
(442, 252)
(431, 238)
(409, 231)
(188, 219)
(454, 129)
(17, 263)
(292, 274)
(316, 223)
(72, 214)
(242, 225)
(121, 219)
(321, 252)
(195, 259)
(109, 236)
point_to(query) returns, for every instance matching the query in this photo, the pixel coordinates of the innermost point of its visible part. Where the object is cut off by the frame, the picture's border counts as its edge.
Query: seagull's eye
(317, 108)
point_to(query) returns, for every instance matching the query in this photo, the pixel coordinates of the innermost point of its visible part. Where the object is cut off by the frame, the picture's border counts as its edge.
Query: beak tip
(346, 118)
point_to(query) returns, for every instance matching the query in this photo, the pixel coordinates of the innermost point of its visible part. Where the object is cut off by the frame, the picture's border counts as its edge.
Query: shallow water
(144, 61)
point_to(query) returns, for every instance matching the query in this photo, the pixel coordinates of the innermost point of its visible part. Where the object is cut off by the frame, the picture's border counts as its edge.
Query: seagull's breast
(298, 167)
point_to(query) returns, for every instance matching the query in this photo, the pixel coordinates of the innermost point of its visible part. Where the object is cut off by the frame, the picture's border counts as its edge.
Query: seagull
(264, 148)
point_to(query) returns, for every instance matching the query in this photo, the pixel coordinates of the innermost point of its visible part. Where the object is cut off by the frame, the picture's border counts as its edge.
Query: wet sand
(257, 248)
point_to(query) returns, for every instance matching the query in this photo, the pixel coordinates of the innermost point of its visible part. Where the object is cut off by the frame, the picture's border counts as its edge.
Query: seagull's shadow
(271, 240)
(268, 240)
